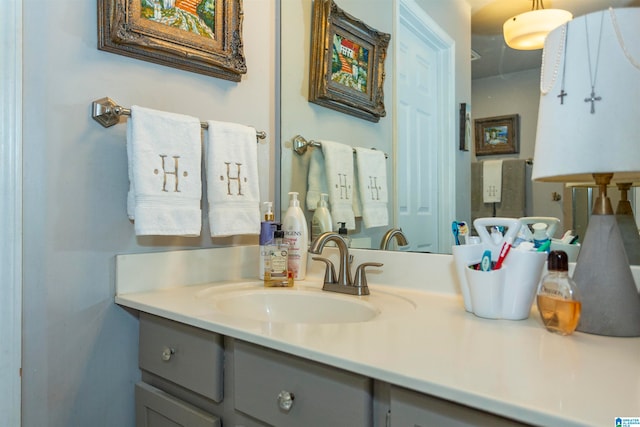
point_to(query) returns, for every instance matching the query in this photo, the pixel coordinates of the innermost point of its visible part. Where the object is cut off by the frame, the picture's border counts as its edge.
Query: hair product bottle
(267, 227)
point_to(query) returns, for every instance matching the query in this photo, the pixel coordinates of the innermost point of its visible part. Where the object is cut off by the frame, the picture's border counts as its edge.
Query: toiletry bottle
(296, 234)
(321, 221)
(557, 297)
(277, 272)
(540, 236)
(342, 231)
(266, 235)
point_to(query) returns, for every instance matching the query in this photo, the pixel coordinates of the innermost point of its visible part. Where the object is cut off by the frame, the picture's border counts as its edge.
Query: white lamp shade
(572, 142)
(528, 30)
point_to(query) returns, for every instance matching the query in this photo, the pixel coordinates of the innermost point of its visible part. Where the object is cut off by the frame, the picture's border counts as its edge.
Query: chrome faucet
(342, 283)
(401, 239)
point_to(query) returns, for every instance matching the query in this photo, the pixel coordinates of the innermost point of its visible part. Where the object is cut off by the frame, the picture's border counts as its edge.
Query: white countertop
(512, 368)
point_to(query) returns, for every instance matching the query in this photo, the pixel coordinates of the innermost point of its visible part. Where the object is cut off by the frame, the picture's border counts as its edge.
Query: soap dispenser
(296, 234)
(342, 231)
(321, 221)
(277, 272)
(557, 298)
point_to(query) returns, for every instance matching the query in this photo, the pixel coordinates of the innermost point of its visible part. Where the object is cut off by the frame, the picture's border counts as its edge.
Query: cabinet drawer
(188, 356)
(323, 396)
(155, 408)
(410, 408)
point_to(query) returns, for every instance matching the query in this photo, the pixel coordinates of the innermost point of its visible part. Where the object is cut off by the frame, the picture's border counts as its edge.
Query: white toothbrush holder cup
(506, 293)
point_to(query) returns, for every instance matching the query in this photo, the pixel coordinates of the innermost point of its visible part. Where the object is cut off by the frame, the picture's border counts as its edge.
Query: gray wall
(79, 348)
(518, 93)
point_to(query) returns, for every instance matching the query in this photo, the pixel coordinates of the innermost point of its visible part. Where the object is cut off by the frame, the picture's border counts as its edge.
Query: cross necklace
(593, 75)
(564, 66)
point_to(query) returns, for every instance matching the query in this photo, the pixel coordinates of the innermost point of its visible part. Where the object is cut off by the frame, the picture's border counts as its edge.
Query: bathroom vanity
(420, 359)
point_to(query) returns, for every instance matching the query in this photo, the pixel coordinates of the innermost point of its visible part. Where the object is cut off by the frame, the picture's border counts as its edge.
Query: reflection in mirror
(447, 169)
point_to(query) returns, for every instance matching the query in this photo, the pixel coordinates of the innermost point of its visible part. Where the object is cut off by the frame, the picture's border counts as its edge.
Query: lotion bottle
(296, 235)
(321, 221)
(267, 227)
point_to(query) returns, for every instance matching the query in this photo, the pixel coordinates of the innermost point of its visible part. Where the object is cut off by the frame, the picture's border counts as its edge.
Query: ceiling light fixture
(528, 30)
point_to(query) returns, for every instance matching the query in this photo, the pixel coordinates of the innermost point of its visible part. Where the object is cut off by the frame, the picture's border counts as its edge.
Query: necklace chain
(593, 76)
(614, 20)
(554, 76)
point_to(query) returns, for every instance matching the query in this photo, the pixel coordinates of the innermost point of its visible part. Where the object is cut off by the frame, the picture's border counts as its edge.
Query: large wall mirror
(503, 82)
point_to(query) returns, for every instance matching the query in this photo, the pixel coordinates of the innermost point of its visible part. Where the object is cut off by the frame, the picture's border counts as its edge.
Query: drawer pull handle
(285, 400)
(167, 352)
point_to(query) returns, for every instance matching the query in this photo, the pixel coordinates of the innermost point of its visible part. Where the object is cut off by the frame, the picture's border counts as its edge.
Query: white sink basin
(303, 304)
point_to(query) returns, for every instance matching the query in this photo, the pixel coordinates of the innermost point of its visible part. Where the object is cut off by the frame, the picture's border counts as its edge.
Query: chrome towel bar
(300, 145)
(106, 112)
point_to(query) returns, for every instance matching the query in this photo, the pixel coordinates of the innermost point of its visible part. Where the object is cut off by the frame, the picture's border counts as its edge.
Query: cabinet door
(409, 408)
(188, 356)
(155, 408)
(322, 395)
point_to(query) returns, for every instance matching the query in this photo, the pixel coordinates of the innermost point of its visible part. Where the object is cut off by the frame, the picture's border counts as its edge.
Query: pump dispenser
(277, 272)
(267, 227)
(296, 235)
(342, 231)
(321, 221)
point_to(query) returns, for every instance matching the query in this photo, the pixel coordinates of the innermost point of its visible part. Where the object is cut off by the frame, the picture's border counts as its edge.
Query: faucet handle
(329, 272)
(360, 280)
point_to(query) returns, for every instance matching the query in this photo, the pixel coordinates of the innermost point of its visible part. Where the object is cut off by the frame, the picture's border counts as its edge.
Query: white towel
(338, 159)
(492, 181)
(233, 190)
(164, 155)
(357, 204)
(372, 184)
(316, 179)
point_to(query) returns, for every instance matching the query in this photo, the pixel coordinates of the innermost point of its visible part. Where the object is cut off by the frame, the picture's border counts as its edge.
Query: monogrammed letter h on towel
(232, 179)
(165, 187)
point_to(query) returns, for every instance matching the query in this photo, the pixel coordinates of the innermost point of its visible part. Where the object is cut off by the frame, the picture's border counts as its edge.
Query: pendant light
(528, 30)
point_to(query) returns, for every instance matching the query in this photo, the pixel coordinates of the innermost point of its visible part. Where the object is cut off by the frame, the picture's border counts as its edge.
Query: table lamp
(589, 130)
(627, 223)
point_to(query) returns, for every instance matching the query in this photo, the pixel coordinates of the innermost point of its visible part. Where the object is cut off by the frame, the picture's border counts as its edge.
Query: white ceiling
(487, 17)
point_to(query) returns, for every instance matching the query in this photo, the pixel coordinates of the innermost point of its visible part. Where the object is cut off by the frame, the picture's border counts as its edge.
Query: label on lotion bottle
(296, 235)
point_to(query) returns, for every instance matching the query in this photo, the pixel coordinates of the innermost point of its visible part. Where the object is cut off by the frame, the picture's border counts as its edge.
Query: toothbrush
(463, 230)
(455, 231)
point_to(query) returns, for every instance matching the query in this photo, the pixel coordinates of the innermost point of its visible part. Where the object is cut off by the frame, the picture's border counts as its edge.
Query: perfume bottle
(557, 298)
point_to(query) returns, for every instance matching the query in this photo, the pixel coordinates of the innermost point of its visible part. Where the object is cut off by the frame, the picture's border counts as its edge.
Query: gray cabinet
(266, 382)
(155, 408)
(409, 408)
(197, 378)
(182, 372)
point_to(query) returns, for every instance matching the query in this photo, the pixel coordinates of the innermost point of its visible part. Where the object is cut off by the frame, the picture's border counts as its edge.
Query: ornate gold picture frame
(347, 63)
(497, 135)
(201, 36)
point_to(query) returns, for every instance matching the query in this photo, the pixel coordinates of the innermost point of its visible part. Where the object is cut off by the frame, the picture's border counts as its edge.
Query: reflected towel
(492, 181)
(338, 159)
(372, 183)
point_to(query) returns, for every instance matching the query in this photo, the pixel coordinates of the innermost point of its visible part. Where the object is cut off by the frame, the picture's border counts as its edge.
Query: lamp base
(610, 299)
(630, 237)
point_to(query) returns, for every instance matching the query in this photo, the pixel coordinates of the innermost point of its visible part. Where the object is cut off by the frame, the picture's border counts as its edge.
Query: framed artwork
(497, 135)
(347, 63)
(201, 36)
(465, 126)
